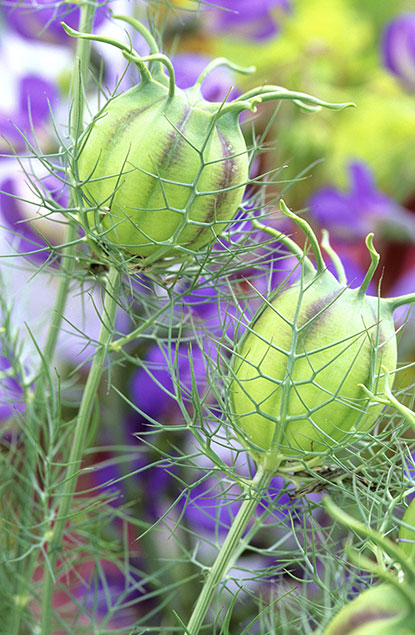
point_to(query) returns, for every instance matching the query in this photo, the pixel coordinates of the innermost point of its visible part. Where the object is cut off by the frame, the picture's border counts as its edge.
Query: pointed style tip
(374, 257)
(66, 27)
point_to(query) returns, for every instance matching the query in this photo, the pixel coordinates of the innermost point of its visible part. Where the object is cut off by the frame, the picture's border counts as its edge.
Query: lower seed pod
(299, 368)
(301, 372)
(381, 610)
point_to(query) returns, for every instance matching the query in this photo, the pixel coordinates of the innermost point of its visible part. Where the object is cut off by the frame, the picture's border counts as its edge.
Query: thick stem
(26, 566)
(220, 566)
(78, 442)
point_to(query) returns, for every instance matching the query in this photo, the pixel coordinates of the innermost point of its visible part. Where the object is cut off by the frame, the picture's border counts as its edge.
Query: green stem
(389, 399)
(163, 59)
(68, 259)
(224, 557)
(396, 554)
(25, 567)
(78, 442)
(270, 92)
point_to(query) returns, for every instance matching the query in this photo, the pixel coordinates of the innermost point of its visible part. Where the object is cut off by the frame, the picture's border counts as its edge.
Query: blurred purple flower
(105, 594)
(363, 209)
(410, 474)
(403, 286)
(215, 314)
(35, 97)
(11, 392)
(353, 263)
(40, 19)
(188, 67)
(208, 509)
(154, 476)
(251, 19)
(398, 49)
(212, 508)
(153, 388)
(15, 214)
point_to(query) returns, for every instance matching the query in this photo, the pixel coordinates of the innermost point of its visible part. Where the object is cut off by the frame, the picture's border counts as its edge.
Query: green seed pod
(162, 171)
(386, 608)
(381, 610)
(303, 368)
(407, 534)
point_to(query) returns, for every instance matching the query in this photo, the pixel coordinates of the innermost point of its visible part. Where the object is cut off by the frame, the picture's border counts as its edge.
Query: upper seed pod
(163, 171)
(301, 371)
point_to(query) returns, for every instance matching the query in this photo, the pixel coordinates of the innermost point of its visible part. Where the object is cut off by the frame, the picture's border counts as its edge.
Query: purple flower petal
(208, 508)
(15, 214)
(24, 237)
(250, 19)
(217, 84)
(11, 392)
(152, 387)
(362, 209)
(41, 19)
(36, 98)
(398, 49)
(410, 474)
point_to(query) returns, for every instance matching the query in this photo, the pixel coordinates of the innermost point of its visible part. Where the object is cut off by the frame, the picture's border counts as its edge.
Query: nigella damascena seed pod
(407, 533)
(381, 610)
(162, 171)
(301, 373)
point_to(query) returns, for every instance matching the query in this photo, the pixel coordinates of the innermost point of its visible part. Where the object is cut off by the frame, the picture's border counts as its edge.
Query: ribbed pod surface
(297, 371)
(159, 169)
